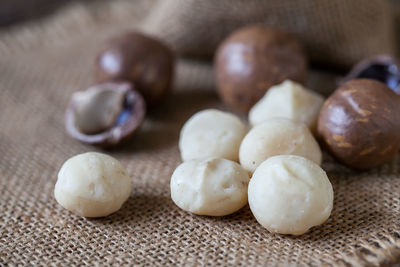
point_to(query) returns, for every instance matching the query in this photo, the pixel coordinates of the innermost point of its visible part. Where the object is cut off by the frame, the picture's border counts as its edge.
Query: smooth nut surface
(214, 187)
(253, 59)
(139, 59)
(290, 194)
(104, 115)
(211, 133)
(92, 185)
(288, 100)
(360, 123)
(277, 136)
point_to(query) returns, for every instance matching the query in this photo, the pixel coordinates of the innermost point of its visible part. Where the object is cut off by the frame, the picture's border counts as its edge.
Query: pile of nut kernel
(274, 166)
(288, 191)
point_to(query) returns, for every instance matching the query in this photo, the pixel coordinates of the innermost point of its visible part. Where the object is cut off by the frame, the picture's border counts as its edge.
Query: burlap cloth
(43, 62)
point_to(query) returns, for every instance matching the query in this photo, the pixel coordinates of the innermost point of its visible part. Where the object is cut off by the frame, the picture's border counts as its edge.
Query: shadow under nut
(360, 123)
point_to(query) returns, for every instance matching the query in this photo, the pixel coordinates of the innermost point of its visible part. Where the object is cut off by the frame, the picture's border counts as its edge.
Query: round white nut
(290, 194)
(214, 187)
(92, 185)
(288, 100)
(211, 134)
(278, 137)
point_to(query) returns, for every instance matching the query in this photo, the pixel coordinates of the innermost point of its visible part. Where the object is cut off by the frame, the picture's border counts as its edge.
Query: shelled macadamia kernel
(288, 100)
(214, 187)
(290, 194)
(278, 136)
(211, 133)
(92, 185)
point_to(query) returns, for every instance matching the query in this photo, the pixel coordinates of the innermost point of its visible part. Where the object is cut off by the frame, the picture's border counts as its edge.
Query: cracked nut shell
(253, 59)
(383, 68)
(105, 114)
(139, 59)
(360, 123)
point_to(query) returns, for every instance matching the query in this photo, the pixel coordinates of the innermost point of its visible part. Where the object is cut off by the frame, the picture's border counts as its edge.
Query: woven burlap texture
(334, 32)
(43, 63)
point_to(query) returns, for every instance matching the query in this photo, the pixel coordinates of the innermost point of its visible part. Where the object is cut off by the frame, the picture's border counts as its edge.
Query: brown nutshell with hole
(253, 59)
(105, 114)
(360, 123)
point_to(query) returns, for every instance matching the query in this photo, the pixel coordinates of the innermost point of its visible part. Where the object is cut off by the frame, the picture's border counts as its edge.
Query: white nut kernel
(97, 108)
(290, 194)
(214, 187)
(278, 137)
(211, 133)
(92, 185)
(288, 100)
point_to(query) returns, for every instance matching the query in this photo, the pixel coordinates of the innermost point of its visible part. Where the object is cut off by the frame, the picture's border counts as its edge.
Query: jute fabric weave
(43, 63)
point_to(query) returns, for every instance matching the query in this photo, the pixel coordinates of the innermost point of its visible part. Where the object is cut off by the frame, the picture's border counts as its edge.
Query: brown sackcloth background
(43, 62)
(338, 32)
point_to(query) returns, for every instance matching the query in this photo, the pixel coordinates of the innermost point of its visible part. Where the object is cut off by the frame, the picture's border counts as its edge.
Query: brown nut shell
(139, 59)
(360, 123)
(130, 116)
(253, 59)
(384, 68)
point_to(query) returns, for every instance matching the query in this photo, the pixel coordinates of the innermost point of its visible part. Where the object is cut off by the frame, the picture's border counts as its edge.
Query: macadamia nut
(278, 136)
(288, 100)
(360, 124)
(214, 187)
(254, 58)
(211, 133)
(106, 114)
(92, 185)
(97, 108)
(140, 60)
(290, 194)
